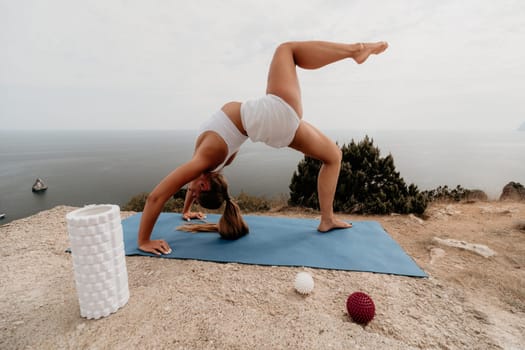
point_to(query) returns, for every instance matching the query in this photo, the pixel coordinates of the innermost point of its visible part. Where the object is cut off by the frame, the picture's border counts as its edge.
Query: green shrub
(368, 183)
(249, 203)
(246, 202)
(137, 203)
(457, 194)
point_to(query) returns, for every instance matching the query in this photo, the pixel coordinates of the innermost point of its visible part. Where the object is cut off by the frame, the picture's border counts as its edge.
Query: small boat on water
(39, 186)
(2, 215)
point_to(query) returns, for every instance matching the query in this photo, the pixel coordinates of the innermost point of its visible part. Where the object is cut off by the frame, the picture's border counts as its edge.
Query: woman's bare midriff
(233, 111)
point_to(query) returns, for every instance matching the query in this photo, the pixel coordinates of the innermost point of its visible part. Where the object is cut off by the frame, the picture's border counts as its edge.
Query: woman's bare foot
(368, 49)
(333, 224)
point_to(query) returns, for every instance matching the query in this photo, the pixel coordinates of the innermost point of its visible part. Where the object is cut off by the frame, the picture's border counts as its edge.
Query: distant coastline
(89, 167)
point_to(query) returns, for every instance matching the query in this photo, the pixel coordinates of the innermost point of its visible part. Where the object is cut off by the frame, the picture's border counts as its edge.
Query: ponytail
(231, 225)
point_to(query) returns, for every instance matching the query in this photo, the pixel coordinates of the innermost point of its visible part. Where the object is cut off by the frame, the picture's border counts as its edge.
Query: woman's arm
(159, 196)
(187, 214)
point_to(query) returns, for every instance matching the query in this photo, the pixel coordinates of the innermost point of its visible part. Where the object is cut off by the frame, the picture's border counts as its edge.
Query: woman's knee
(154, 198)
(336, 155)
(285, 48)
(331, 155)
(287, 45)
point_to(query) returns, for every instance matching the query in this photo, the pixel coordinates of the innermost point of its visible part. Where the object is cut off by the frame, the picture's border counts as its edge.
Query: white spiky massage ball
(304, 283)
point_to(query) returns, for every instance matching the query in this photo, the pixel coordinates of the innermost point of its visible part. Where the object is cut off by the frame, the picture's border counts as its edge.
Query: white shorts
(269, 119)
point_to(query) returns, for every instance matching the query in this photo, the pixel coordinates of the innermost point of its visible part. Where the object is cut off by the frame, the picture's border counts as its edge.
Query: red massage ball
(360, 307)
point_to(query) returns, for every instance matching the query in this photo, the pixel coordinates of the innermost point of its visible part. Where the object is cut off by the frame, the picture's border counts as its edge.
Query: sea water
(101, 167)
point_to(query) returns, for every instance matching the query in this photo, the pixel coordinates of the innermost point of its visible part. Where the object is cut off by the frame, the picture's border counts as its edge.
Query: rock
(39, 186)
(513, 191)
(442, 213)
(498, 210)
(520, 225)
(476, 195)
(480, 249)
(450, 210)
(415, 218)
(436, 253)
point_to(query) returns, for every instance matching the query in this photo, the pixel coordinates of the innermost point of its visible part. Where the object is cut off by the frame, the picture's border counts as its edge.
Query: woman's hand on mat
(158, 247)
(191, 215)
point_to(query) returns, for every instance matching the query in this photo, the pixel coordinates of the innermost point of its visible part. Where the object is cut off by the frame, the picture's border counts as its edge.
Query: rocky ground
(473, 299)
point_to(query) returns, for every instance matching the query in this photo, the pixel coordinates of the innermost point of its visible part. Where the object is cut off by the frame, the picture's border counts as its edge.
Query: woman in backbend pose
(275, 119)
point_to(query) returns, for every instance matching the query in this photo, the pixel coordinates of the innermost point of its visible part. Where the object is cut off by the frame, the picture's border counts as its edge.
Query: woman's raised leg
(282, 77)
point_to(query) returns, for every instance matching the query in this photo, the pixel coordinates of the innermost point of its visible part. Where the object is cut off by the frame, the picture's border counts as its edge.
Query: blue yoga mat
(280, 241)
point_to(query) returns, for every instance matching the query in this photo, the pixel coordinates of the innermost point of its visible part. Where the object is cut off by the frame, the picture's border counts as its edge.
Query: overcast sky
(167, 64)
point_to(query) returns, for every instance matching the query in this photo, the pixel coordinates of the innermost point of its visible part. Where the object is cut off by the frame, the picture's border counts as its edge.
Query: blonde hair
(231, 224)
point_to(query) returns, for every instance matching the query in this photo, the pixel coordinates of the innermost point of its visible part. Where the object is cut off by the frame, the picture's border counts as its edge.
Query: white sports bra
(224, 127)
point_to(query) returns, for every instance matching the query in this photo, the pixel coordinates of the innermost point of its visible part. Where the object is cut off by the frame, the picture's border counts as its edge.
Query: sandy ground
(469, 301)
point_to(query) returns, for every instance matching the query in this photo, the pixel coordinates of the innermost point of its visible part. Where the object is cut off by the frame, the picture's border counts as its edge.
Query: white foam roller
(111, 304)
(120, 266)
(97, 248)
(106, 297)
(124, 298)
(122, 279)
(115, 266)
(117, 237)
(100, 277)
(95, 277)
(95, 230)
(114, 224)
(120, 257)
(94, 249)
(84, 260)
(97, 286)
(100, 258)
(118, 249)
(93, 215)
(104, 229)
(85, 240)
(111, 257)
(93, 268)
